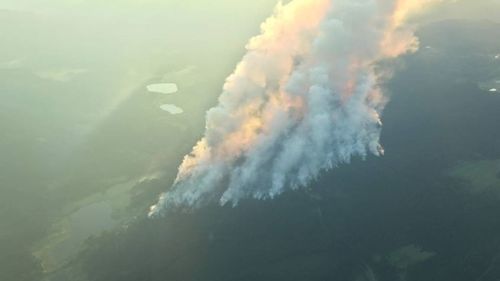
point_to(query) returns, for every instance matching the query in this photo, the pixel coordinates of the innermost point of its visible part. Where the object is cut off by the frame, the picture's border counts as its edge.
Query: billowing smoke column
(304, 99)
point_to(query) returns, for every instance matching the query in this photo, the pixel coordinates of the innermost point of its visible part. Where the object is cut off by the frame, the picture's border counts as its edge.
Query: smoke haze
(305, 98)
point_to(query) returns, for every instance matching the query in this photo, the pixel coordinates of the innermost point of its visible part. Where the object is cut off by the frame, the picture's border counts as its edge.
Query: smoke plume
(305, 98)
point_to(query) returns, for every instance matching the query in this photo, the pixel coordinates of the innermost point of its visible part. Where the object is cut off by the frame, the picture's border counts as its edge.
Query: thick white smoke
(304, 99)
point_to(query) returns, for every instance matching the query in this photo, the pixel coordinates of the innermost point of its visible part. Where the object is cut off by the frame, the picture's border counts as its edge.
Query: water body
(83, 223)
(90, 217)
(172, 109)
(163, 88)
(491, 85)
(482, 176)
